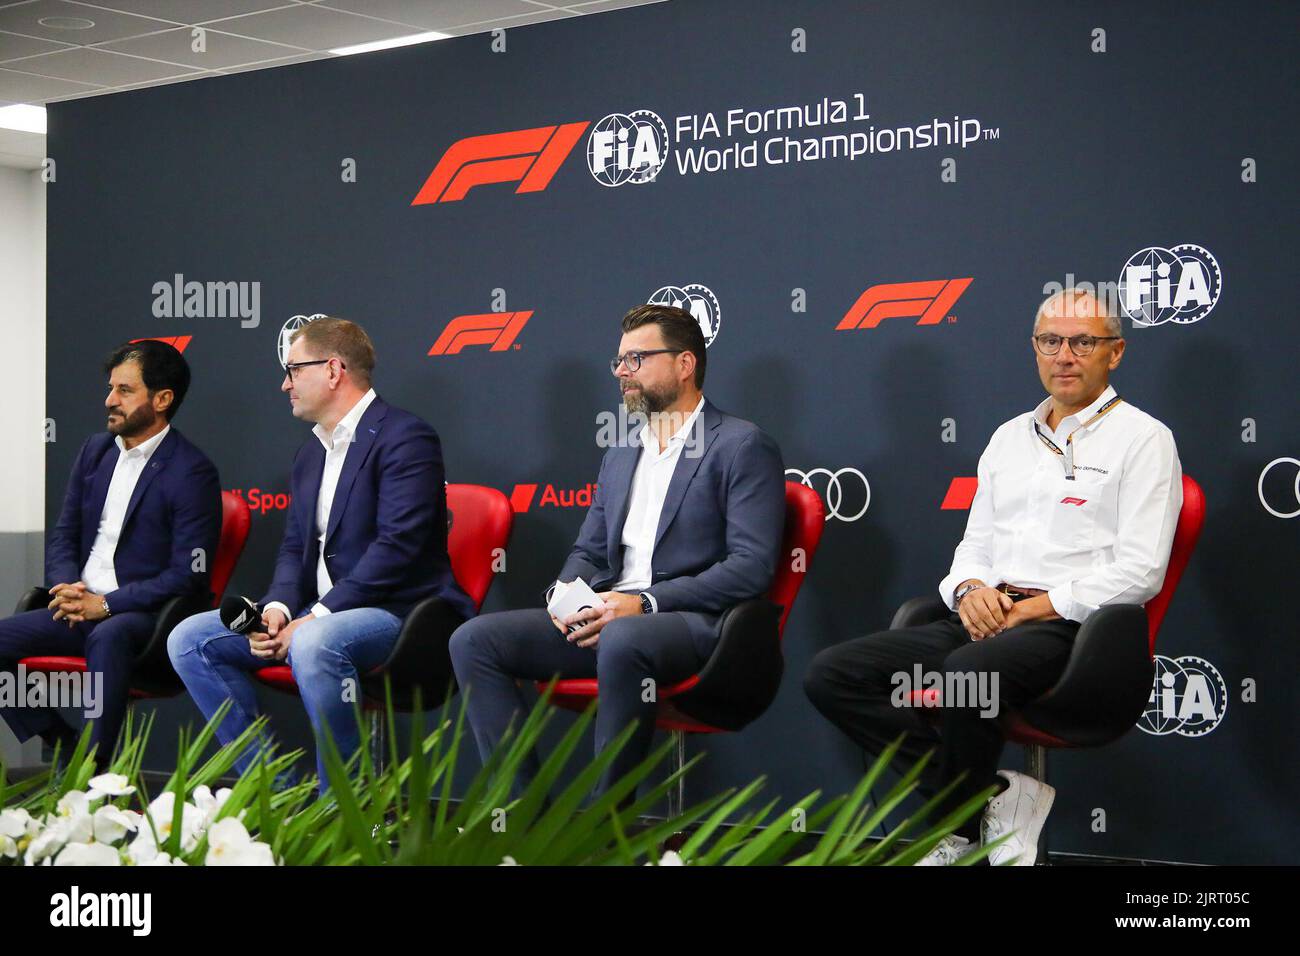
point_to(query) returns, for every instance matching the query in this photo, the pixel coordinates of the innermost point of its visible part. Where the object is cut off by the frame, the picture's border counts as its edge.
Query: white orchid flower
(111, 823)
(109, 785)
(162, 812)
(229, 844)
(89, 854)
(17, 823)
(164, 859)
(48, 842)
(143, 851)
(670, 858)
(210, 804)
(73, 803)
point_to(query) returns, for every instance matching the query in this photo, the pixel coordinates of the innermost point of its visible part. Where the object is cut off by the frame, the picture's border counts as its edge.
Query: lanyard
(1068, 454)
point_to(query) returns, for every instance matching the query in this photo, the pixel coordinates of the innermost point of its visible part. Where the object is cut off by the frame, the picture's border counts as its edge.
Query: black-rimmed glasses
(634, 358)
(1049, 343)
(292, 367)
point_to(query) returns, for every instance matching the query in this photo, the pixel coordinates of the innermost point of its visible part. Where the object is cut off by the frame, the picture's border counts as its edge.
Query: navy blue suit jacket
(386, 544)
(719, 534)
(174, 509)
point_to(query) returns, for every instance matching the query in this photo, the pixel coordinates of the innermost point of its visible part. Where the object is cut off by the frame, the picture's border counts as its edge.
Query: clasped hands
(75, 603)
(986, 612)
(273, 642)
(593, 619)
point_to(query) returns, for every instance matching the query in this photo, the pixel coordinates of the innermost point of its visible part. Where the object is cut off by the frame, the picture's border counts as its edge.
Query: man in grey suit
(686, 522)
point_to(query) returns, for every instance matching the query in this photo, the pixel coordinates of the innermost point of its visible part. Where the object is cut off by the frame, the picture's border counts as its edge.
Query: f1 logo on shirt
(1077, 502)
(930, 300)
(529, 157)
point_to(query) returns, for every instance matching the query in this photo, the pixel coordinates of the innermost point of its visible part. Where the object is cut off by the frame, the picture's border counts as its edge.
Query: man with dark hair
(365, 541)
(686, 522)
(140, 523)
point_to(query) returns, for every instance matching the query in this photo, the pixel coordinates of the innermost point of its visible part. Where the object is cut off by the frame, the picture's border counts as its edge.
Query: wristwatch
(647, 606)
(104, 603)
(962, 592)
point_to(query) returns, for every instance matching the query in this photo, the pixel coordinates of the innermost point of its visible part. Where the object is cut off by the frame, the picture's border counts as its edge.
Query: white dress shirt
(654, 472)
(1102, 538)
(336, 444)
(99, 573)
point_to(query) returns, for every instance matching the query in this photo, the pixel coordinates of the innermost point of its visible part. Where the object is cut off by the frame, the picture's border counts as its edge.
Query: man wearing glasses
(1076, 508)
(686, 522)
(364, 541)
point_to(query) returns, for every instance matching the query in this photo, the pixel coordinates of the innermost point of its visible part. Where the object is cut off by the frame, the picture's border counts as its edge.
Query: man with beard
(142, 505)
(686, 522)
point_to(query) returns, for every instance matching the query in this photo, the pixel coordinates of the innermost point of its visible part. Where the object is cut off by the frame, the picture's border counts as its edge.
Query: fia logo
(1188, 697)
(627, 148)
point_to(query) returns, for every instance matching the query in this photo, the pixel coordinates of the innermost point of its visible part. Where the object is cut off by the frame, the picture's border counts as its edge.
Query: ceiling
(85, 48)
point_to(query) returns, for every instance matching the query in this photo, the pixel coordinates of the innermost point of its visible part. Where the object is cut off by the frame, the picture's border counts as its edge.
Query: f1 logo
(930, 300)
(497, 329)
(529, 157)
(1077, 502)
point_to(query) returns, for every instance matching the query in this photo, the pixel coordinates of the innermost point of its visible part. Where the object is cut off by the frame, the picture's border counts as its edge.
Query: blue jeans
(327, 655)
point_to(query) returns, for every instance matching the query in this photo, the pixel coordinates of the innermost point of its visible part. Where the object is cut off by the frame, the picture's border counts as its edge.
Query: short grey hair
(1072, 297)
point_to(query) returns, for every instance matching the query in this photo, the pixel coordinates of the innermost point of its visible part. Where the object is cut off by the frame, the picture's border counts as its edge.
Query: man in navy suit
(364, 541)
(686, 522)
(140, 523)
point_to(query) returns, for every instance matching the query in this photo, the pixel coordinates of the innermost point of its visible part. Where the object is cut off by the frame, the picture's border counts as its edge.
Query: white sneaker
(947, 851)
(1020, 810)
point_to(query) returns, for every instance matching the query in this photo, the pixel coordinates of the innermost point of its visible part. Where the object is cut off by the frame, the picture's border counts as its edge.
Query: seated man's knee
(185, 636)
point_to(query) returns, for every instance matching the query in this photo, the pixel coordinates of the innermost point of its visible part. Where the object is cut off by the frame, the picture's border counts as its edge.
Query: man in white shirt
(1076, 508)
(686, 522)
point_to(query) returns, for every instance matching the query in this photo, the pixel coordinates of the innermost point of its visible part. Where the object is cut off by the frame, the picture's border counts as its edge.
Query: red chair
(479, 520)
(1107, 682)
(152, 675)
(741, 678)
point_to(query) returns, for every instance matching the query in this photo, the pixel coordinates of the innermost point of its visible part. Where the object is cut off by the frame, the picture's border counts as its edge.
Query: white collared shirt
(1102, 538)
(99, 573)
(336, 445)
(654, 472)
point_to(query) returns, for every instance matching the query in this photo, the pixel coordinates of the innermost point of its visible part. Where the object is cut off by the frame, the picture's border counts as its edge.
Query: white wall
(22, 329)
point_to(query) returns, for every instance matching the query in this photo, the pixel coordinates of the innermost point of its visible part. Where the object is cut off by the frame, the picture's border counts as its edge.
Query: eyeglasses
(634, 359)
(1050, 344)
(292, 367)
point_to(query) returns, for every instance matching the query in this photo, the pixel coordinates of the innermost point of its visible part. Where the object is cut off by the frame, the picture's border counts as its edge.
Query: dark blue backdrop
(1098, 155)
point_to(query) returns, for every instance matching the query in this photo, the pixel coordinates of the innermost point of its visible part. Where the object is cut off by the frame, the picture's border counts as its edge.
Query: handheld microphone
(240, 615)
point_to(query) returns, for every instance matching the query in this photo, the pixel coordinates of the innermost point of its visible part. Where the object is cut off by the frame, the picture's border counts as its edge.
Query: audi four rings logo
(1264, 501)
(1179, 285)
(841, 496)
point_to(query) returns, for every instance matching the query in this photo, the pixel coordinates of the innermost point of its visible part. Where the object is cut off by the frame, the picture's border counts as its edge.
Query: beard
(133, 424)
(647, 400)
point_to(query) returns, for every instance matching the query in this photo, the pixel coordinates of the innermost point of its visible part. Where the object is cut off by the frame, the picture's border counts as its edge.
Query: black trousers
(110, 647)
(491, 651)
(855, 686)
